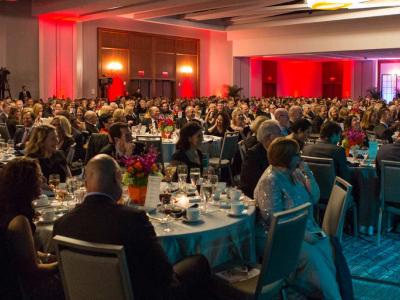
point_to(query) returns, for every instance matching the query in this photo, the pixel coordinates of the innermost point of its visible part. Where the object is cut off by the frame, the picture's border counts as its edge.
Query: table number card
(153, 192)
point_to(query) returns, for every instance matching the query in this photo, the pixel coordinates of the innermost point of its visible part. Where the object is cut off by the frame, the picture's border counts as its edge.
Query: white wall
(215, 52)
(372, 33)
(19, 46)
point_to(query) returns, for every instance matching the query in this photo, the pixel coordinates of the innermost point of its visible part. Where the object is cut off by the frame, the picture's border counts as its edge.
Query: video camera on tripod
(4, 86)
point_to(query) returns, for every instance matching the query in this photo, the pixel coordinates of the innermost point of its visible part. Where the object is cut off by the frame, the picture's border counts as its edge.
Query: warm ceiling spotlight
(186, 69)
(114, 66)
(332, 4)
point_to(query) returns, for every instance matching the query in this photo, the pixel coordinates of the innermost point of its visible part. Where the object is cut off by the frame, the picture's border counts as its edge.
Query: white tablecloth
(219, 237)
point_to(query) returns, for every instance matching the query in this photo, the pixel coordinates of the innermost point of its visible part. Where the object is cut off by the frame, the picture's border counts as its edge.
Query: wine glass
(10, 146)
(169, 173)
(54, 181)
(213, 179)
(182, 176)
(206, 191)
(194, 175)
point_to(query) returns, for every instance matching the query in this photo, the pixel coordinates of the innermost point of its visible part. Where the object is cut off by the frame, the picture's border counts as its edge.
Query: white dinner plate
(198, 221)
(243, 213)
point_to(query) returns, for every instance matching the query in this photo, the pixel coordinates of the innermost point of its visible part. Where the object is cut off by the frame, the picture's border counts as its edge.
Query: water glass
(205, 193)
(194, 175)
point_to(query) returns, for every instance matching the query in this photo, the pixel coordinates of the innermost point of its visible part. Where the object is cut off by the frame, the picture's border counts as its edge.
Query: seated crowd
(65, 136)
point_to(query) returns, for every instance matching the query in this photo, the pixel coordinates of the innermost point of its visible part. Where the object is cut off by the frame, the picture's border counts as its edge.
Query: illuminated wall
(57, 58)
(299, 78)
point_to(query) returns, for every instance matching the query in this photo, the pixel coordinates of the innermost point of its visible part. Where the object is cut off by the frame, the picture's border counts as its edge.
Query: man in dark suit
(326, 147)
(383, 130)
(100, 219)
(24, 94)
(22, 135)
(91, 122)
(152, 122)
(389, 152)
(190, 116)
(5, 110)
(121, 143)
(321, 113)
(256, 160)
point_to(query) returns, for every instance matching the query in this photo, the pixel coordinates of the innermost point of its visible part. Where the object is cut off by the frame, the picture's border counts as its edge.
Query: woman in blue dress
(285, 184)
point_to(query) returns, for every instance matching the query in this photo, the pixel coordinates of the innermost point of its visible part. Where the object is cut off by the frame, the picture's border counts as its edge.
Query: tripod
(4, 87)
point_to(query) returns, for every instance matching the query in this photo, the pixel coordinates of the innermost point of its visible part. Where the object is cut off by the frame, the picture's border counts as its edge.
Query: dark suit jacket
(326, 150)
(387, 152)
(21, 95)
(180, 122)
(180, 156)
(316, 124)
(148, 122)
(253, 166)
(91, 128)
(250, 142)
(99, 220)
(109, 149)
(383, 132)
(18, 136)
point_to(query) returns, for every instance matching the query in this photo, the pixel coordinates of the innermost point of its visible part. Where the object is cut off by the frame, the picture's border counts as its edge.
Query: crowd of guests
(63, 136)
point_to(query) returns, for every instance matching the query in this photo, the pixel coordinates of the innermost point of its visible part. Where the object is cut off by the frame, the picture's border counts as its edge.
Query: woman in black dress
(221, 126)
(42, 145)
(22, 267)
(188, 147)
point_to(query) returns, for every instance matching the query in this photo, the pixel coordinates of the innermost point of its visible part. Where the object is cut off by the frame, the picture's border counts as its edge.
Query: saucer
(49, 221)
(243, 213)
(198, 221)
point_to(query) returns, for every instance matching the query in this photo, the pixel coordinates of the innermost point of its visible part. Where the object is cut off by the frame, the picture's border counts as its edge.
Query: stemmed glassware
(182, 176)
(54, 181)
(205, 193)
(194, 176)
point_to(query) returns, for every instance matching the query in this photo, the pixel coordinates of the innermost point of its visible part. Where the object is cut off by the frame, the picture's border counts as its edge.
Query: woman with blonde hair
(38, 111)
(252, 140)
(333, 114)
(238, 124)
(42, 146)
(64, 133)
(369, 119)
(119, 115)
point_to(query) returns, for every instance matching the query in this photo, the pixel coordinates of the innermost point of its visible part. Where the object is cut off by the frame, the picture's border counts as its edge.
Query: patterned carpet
(376, 269)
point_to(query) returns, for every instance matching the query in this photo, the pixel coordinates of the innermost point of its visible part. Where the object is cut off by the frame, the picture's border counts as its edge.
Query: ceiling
(224, 15)
(380, 54)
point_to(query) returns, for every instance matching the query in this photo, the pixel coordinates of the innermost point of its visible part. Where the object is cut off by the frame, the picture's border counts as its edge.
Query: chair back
(92, 270)
(336, 208)
(229, 146)
(242, 149)
(313, 138)
(152, 141)
(282, 249)
(324, 173)
(96, 142)
(71, 154)
(390, 179)
(4, 132)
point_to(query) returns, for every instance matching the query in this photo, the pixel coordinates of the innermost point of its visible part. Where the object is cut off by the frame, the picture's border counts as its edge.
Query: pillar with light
(186, 82)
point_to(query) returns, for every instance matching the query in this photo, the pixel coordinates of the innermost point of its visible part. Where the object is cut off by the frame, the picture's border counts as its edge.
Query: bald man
(99, 219)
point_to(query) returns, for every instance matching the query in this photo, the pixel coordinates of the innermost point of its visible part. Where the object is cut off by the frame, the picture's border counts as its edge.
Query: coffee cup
(234, 194)
(193, 214)
(221, 186)
(48, 215)
(237, 208)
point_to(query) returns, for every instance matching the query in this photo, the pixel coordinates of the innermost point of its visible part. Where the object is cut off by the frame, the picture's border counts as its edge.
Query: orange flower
(138, 166)
(154, 168)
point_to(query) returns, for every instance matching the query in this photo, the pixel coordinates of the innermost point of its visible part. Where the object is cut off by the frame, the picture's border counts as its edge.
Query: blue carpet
(367, 260)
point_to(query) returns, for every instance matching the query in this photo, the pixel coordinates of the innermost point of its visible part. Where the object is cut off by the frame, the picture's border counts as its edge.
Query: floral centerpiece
(138, 170)
(352, 138)
(166, 125)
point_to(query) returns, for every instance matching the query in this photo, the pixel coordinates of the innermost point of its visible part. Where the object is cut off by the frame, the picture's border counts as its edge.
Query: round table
(366, 194)
(218, 237)
(211, 145)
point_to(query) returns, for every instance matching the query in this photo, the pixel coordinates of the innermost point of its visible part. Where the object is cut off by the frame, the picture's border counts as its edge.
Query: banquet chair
(154, 141)
(324, 173)
(71, 154)
(92, 270)
(228, 151)
(389, 200)
(281, 253)
(242, 149)
(96, 142)
(4, 132)
(336, 208)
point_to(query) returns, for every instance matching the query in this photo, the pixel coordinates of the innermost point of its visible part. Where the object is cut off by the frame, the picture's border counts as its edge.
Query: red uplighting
(269, 78)
(332, 78)
(141, 73)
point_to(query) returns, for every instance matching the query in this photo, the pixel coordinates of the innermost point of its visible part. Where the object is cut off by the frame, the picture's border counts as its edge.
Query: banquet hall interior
(197, 149)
